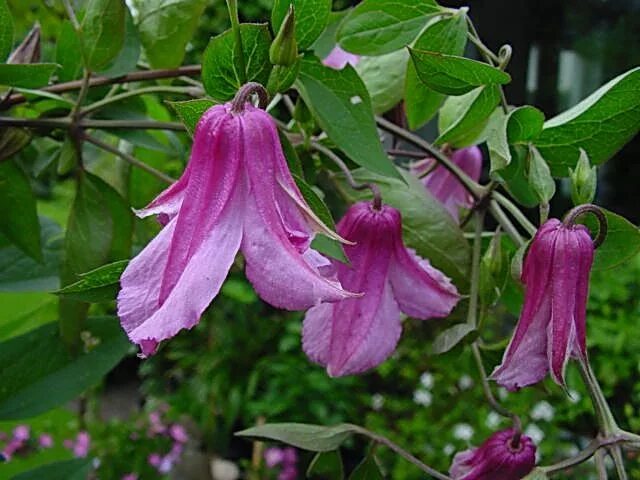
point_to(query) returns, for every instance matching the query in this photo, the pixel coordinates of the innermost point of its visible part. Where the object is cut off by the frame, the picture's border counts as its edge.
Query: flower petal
(582, 291)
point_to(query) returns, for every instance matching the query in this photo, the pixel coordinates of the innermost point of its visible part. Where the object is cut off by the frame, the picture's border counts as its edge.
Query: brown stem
(103, 124)
(244, 95)
(571, 217)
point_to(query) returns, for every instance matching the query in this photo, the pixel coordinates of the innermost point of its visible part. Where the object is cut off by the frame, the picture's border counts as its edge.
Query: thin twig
(132, 93)
(71, 14)
(506, 224)
(128, 158)
(405, 153)
(616, 454)
(65, 122)
(472, 314)
(516, 212)
(582, 456)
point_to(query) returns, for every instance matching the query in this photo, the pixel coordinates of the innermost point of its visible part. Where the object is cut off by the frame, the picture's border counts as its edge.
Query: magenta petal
(582, 289)
(339, 58)
(168, 203)
(316, 333)
(421, 291)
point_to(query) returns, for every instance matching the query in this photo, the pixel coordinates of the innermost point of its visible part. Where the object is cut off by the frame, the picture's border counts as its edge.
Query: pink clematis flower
(358, 334)
(81, 445)
(445, 187)
(552, 325)
(21, 433)
(500, 456)
(236, 193)
(339, 58)
(45, 440)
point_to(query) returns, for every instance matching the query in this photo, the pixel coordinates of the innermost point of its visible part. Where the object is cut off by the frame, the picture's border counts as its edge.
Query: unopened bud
(284, 49)
(540, 179)
(29, 49)
(584, 180)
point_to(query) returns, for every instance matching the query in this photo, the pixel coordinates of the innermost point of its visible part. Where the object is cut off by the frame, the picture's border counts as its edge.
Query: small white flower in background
(543, 411)
(448, 449)
(465, 382)
(503, 393)
(534, 431)
(463, 431)
(574, 397)
(377, 401)
(493, 420)
(426, 380)
(422, 397)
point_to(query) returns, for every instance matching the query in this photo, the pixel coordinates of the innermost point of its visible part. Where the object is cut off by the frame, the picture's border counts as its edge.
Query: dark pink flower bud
(444, 186)
(552, 325)
(357, 334)
(501, 456)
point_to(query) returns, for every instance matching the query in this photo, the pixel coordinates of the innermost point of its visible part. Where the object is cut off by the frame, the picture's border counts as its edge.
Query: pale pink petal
(339, 58)
(462, 463)
(582, 290)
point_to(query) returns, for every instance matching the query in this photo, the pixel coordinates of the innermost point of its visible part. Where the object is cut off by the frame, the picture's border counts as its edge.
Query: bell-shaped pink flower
(501, 456)
(444, 186)
(552, 324)
(357, 334)
(339, 58)
(236, 193)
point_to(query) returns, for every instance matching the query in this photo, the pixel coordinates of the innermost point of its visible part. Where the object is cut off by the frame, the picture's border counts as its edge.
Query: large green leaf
(103, 29)
(384, 78)
(426, 226)
(20, 273)
(99, 285)
(190, 111)
(32, 75)
(76, 469)
(221, 67)
(23, 312)
(30, 386)
(316, 438)
(340, 103)
(165, 28)
(68, 52)
(447, 35)
(376, 27)
(20, 218)
(454, 75)
(516, 176)
(6, 31)
(311, 18)
(600, 124)
(462, 119)
(127, 59)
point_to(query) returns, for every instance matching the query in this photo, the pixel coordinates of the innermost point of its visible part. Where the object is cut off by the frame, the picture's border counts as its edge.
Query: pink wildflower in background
(339, 58)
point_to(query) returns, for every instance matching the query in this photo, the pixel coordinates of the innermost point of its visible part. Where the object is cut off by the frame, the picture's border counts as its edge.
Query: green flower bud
(540, 179)
(284, 49)
(584, 180)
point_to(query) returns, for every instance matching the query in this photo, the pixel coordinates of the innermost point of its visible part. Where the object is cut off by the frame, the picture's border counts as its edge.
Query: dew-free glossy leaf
(311, 18)
(447, 35)
(316, 438)
(454, 75)
(19, 218)
(99, 285)
(6, 30)
(451, 337)
(190, 111)
(524, 124)
(600, 124)
(540, 178)
(384, 78)
(30, 386)
(221, 69)
(32, 75)
(127, 59)
(68, 52)
(340, 103)
(103, 32)
(376, 27)
(165, 28)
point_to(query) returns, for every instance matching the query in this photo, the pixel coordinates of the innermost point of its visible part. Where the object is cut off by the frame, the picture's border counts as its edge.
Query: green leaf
(622, 242)
(384, 78)
(127, 60)
(282, 78)
(326, 465)
(165, 28)
(23, 312)
(497, 141)
(102, 32)
(68, 52)
(6, 30)
(20, 218)
(12, 140)
(76, 469)
(340, 103)
(99, 285)
(600, 124)
(536, 474)
(368, 469)
(447, 35)
(376, 27)
(221, 69)
(454, 75)
(316, 438)
(20, 273)
(463, 119)
(540, 178)
(516, 177)
(30, 386)
(190, 111)
(290, 154)
(311, 18)
(426, 226)
(451, 337)
(524, 124)
(32, 75)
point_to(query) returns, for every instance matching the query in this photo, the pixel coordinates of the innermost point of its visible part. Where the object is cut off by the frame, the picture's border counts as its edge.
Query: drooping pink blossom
(45, 440)
(444, 186)
(499, 457)
(552, 325)
(273, 456)
(178, 433)
(81, 445)
(339, 58)
(357, 334)
(21, 433)
(154, 459)
(237, 193)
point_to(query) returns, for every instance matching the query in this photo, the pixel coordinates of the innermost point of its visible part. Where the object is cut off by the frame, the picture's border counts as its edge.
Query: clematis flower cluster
(552, 325)
(503, 455)
(356, 334)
